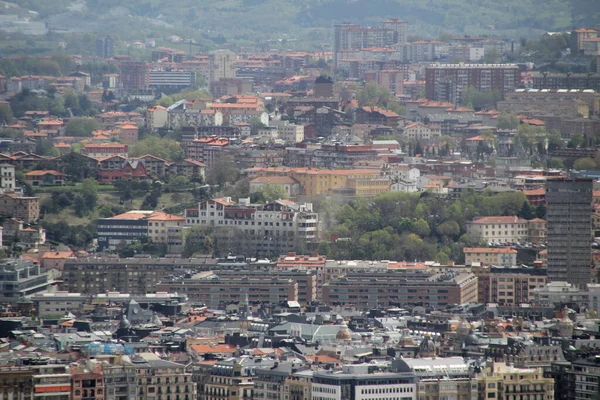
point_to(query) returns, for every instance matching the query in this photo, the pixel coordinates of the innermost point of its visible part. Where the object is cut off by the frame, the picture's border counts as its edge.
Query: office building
(21, 278)
(171, 81)
(499, 256)
(445, 82)
(508, 285)
(222, 65)
(361, 382)
(569, 216)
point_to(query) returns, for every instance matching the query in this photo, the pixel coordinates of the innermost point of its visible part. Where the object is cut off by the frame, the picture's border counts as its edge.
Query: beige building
(508, 285)
(222, 65)
(26, 209)
(504, 382)
(498, 230)
(418, 131)
(159, 224)
(499, 256)
(156, 117)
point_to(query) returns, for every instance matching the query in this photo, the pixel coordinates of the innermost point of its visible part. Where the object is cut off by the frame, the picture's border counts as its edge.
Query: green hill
(251, 20)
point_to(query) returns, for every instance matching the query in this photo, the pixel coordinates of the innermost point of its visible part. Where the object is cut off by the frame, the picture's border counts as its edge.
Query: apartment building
(51, 382)
(508, 285)
(505, 382)
(222, 65)
(263, 229)
(206, 150)
(136, 276)
(388, 289)
(7, 177)
(104, 150)
(417, 131)
(499, 256)
(217, 289)
(316, 182)
(445, 82)
(26, 209)
(360, 382)
(498, 230)
(171, 81)
(20, 279)
(184, 113)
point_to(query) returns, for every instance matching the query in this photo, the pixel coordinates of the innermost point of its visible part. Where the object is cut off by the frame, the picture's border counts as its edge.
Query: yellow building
(316, 182)
(504, 382)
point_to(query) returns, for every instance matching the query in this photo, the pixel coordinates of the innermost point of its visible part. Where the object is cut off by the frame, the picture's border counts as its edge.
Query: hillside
(250, 20)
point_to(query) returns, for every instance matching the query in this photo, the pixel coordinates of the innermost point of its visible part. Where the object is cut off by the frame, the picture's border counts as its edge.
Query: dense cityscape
(330, 210)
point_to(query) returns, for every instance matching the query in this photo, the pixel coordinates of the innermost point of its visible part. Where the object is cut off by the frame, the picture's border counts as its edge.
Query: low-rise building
(501, 381)
(500, 256)
(498, 230)
(45, 178)
(21, 278)
(23, 208)
(104, 150)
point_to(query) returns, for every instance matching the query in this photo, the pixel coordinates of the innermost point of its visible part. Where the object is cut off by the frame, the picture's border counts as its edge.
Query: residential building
(134, 225)
(133, 75)
(501, 381)
(389, 288)
(361, 382)
(445, 82)
(214, 289)
(508, 285)
(189, 168)
(51, 382)
(159, 224)
(156, 117)
(45, 178)
(377, 116)
(498, 230)
(26, 209)
(7, 177)
(290, 185)
(205, 150)
(222, 65)
(21, 278)
(290, 133)
(498, 256)
(105, 47)
(263, 229)
(557, 81)
(16, 382)
(579, 37)
(569, 214)
(88, 381)
(104, 150)
(417, 131)
(135, 276)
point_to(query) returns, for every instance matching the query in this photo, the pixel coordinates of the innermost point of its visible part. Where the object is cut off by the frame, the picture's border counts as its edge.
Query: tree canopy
(164, 148)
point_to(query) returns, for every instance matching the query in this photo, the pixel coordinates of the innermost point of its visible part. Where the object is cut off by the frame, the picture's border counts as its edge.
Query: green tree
(507, 121)
(270, 192)
(6, 114)
(556, 163)
(585, 163)
(164, 148)
(255, 125)
(576, 141)
(222, 170)
(197, 240)
(89, 192)
(373, 95)
(526, 211)
(81, 126)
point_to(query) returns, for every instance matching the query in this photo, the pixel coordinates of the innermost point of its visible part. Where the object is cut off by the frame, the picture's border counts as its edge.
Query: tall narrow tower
(569, 237)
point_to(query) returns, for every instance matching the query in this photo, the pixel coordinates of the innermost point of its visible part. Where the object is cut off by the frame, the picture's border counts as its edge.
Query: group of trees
(83, 201)
(165, 148)
(407, 226)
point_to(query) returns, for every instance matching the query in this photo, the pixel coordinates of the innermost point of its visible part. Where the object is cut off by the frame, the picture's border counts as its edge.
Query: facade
(502, 257)
(136, 276)
(7, 177)
(569, 215)
(134, 225)
(133, 75)
(171, 81)
(498, 230)
(264, 229)
(21, 278)
(417, 131)
(367, 290)
(215, 290)
(205, 150)
(88, 381)
(104, 150)
(508, 285)
(51, 382)
(445, 82)
(45, 178)
(222, 65)
(26, 209)
(355, 382)
(504, 382)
